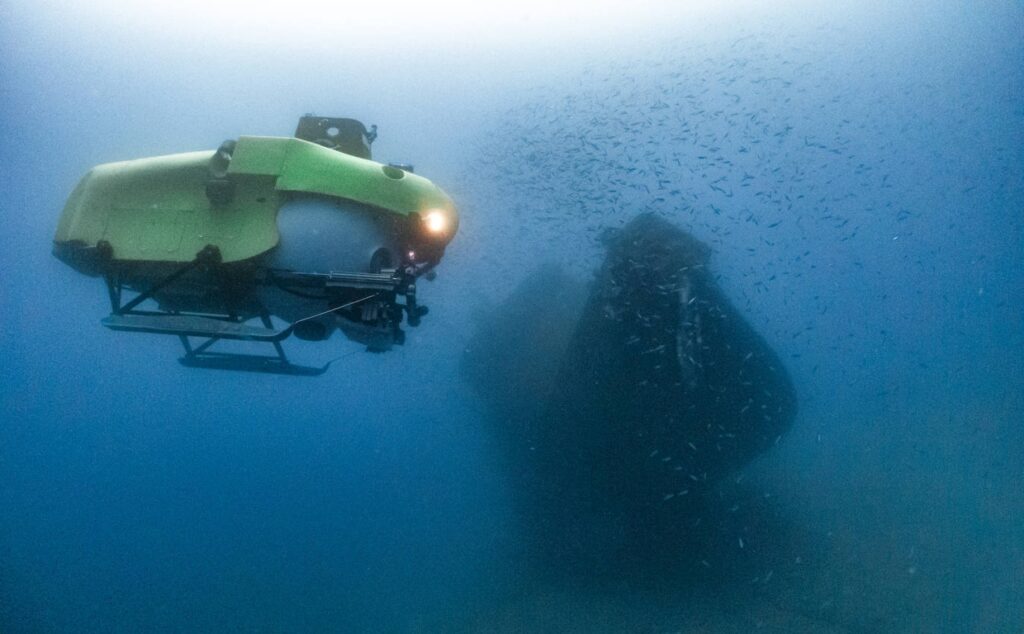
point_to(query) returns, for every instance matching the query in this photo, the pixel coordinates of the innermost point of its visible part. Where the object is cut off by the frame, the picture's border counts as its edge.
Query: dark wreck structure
(616, 408)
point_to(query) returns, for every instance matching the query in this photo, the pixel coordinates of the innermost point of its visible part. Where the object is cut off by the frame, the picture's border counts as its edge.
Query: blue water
(858, 173)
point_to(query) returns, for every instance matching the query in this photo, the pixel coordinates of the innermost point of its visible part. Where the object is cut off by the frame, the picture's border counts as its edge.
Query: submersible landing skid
(379, 291)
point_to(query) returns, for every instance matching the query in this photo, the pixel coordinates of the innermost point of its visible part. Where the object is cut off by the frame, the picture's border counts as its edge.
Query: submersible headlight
(435, 221)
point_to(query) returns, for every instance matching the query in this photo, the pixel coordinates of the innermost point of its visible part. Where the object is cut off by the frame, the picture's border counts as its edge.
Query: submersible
(306, 228)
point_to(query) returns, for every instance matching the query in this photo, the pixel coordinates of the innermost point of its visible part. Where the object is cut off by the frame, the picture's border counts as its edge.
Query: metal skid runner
(356, 288)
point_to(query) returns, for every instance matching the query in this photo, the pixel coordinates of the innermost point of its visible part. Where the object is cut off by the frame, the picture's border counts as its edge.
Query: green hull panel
(157, 209)
(302, 166)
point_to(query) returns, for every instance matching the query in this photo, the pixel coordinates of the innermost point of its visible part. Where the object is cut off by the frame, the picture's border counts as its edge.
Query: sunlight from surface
(395, 25)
